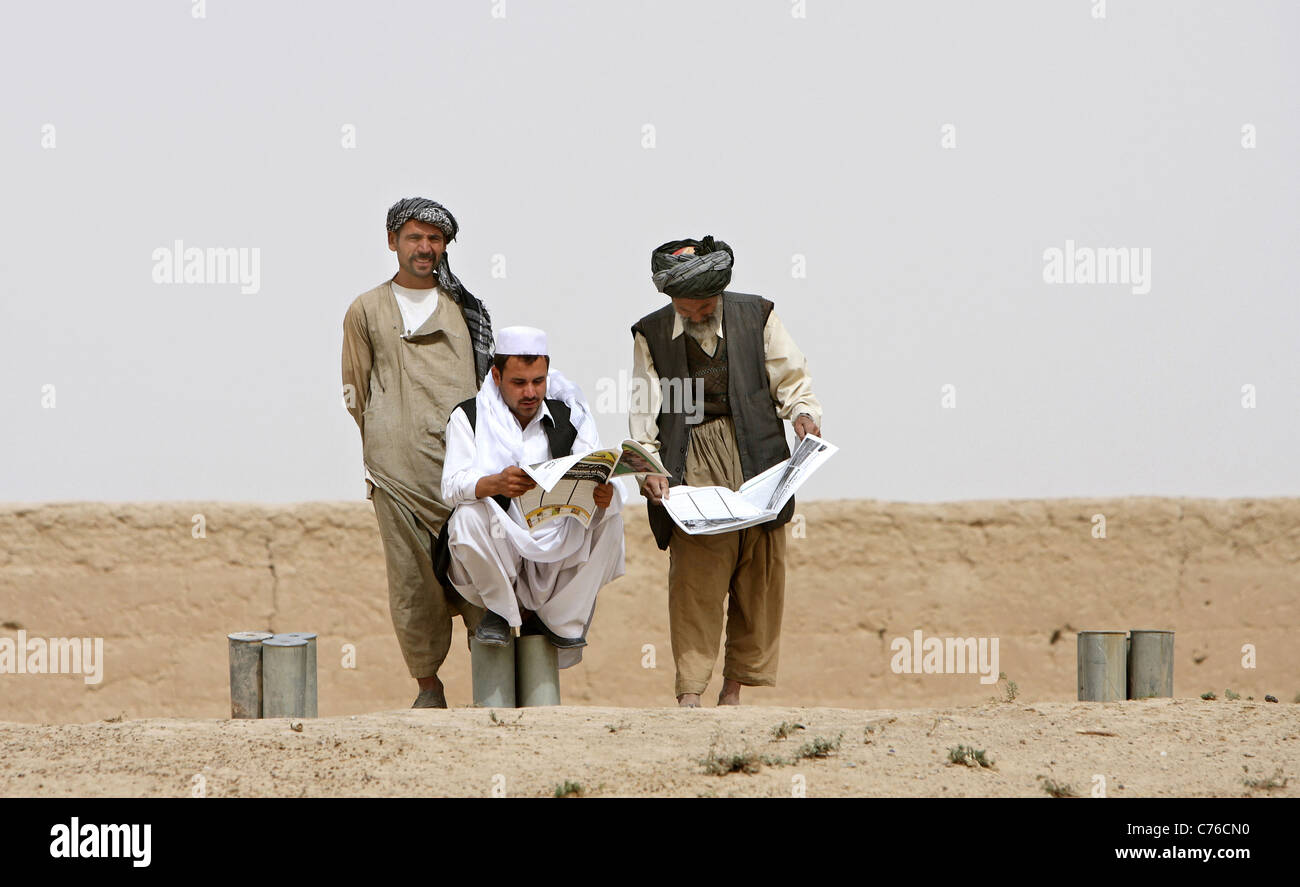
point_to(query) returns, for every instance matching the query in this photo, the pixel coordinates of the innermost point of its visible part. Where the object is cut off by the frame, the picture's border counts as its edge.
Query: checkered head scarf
(422, 210)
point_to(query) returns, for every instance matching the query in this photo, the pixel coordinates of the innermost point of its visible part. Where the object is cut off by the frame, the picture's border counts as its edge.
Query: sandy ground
(1170, 747)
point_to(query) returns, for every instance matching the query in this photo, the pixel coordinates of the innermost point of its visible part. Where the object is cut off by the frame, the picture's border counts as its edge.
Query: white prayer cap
(521, 340)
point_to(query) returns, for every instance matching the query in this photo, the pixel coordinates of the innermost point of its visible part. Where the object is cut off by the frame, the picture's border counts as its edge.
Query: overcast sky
(892, 175)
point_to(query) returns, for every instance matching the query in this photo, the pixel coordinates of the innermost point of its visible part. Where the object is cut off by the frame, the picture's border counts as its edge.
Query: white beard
(702, 332)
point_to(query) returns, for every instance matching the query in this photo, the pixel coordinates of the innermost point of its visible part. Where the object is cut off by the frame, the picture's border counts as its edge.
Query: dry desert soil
(1167, 747)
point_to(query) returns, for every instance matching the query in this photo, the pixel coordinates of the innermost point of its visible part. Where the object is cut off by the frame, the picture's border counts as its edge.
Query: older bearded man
(734, 348)
(544, 580)
(414, 347)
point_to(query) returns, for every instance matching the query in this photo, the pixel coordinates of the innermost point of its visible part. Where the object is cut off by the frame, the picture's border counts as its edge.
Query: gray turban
(422, 210)
(700, 275)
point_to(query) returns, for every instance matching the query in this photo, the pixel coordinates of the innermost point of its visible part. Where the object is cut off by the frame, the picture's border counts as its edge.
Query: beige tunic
(402, 390)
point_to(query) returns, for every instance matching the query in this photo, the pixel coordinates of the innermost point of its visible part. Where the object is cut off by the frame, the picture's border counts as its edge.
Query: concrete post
(1150, 663)
(1103, 669)
(537, 678)
(246, 673)
(284, 677)
(309, 693)
(494, 674)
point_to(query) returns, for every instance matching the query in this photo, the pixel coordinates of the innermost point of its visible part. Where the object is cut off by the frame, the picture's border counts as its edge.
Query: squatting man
(542, 581)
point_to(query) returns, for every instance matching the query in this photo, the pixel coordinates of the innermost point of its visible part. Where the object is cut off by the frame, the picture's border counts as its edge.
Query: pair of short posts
(1116, 665)
(272, 675)
(522, 674)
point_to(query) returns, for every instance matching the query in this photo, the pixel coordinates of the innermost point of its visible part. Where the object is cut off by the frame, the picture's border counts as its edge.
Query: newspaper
(566, 486)
(704, 511)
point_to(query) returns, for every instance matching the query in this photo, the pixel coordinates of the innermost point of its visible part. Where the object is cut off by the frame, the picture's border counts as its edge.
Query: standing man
(733, 348)
(413, 348)
(542, 580)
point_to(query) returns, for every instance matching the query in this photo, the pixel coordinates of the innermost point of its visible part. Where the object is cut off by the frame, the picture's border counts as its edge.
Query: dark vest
(760, 434)
(560, 434)
(712, 371)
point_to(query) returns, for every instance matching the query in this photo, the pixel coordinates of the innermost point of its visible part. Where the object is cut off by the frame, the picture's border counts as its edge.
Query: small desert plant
(500, 722)
(721, 764)
(971, 757)
(784, 729)
(1277, 780)
(570, 789)
(732, 762)
(1058, 789)
(1009, 692)
(819, 747)
(1228, 694)
(1209, 694)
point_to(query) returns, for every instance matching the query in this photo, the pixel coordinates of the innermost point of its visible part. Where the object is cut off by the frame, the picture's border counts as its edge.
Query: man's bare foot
(689, 700)
(431, 693)
(730, 694)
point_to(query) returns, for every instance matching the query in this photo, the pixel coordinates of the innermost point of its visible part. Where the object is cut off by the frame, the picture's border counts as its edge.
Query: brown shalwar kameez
(401, 390)
(743, 571)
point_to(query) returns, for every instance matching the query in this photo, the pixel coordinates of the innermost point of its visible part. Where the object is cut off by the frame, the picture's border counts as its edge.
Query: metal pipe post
(246, 673)
(537, 679)
(494, 674)
(1150, 663)
(1103, 669)
(310, 692)
(284, 677)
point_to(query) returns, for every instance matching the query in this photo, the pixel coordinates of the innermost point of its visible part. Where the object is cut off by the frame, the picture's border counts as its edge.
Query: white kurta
(496, 563)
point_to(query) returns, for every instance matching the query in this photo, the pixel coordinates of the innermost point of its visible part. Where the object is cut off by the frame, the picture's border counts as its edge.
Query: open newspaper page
(703, 511)
(566, 486)
(637, 460)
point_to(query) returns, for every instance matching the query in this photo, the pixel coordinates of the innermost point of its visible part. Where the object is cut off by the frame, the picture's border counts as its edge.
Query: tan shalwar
(743, 571)
(401, 390)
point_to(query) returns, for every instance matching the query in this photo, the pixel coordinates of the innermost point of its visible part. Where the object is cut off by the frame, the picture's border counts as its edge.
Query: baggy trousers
(421, 608)
(742, 571)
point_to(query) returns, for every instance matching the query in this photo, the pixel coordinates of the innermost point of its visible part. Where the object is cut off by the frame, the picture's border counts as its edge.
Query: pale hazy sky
(128, 127)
